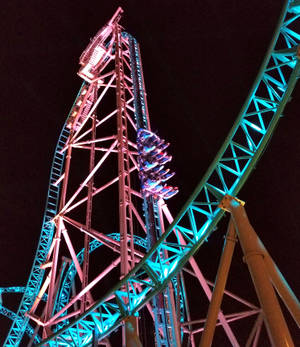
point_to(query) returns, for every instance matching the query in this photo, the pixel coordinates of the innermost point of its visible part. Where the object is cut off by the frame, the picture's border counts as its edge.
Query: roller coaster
(107, 149)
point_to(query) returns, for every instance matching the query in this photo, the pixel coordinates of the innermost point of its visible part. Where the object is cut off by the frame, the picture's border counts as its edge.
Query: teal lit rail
(35, 279)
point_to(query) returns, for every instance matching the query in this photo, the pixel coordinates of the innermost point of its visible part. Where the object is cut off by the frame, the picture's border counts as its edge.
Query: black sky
(200, 59)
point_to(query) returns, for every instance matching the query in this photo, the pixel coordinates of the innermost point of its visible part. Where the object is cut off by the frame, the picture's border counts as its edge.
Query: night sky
(200, 59)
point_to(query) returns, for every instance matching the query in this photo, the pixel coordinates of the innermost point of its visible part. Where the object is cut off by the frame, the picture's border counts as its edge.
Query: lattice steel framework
(111, 68)
(143, 276)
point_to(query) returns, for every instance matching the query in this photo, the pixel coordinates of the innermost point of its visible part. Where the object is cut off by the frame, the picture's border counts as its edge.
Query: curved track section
(36, 275)
(11, 315)
(29, 330)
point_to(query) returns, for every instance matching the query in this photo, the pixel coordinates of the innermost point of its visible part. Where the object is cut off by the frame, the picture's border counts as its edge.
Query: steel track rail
(12, 315)
(29, 330)
(20, 322)
(234, 162)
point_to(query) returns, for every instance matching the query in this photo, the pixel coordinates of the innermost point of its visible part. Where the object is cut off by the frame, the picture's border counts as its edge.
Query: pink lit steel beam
(106, 240)
(73, 256)
(130, 108)
(202, 281)
(133, 160)
(88, 142)
(230, 316)
(229, 319)
(138, 217)
(84, 291)
(98, 190)
(99, 122)
(188, 314)
(99, 149)
(125, 53)
(67, 316)
(83, 184)
(41, 293)
(59, 180)
(94, 107)
(51, 292)
(134, 145)
(258, 330)
(227, 292)
(131, 121)
(72, 253)
(254, 329)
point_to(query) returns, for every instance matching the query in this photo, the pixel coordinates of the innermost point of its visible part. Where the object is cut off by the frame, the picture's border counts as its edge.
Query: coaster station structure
(107, 151)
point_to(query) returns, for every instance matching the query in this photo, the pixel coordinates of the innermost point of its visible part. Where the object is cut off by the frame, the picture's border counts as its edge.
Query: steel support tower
(109, 246)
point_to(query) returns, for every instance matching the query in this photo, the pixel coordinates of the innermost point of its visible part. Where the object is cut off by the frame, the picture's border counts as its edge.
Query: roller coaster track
(198, 218)
(36, 275)
(29, 330)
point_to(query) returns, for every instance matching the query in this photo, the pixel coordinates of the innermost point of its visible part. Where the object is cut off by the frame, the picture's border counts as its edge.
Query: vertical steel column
(123, 194)
(125, 209)
(254, 257)
(283, 289)
(220, 283)
(123, 172)
(89, 207)
(132, 339)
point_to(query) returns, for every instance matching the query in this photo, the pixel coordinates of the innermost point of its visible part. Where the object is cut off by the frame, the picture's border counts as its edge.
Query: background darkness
(200, 59)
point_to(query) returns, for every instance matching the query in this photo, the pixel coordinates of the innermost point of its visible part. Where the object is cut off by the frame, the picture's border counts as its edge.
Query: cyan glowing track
(36, 276)
(226, 175)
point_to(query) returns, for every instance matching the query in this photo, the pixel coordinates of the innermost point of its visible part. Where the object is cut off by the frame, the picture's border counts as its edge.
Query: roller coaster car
(146, 165)
(171, 193)
(159, 155)
(96, 52)
(158, 175)
(163, 145)
(147, 149)
(151, 183)
(165, 192)
(163, 160)
(156, 190)
(87, 71)
(76, 108)
(157, 169)
(153, 141)
(144, 133)
(166, 176)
